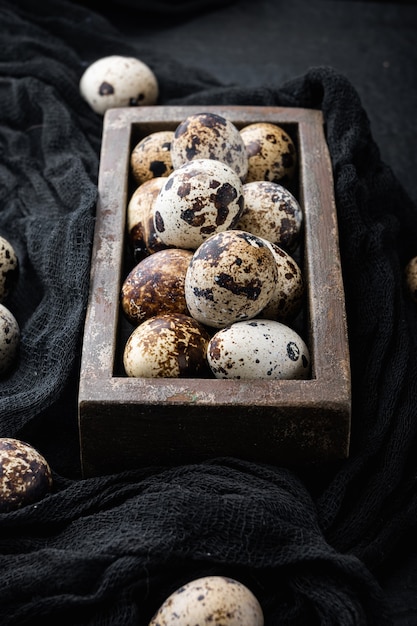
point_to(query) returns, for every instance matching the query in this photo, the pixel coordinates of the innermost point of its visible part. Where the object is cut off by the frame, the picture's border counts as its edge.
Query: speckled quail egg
(271, 153)
(411, 277)
(231, 277)
(9, 268)
(287, 299)
(272, 212)
(25, 475)
(118, 81)
(258, 349)
(215, 600)
(156, 285)
(197, 200)
(142, 236)
(209, 136)
(151, 156)
(9, 340)
(172, 345)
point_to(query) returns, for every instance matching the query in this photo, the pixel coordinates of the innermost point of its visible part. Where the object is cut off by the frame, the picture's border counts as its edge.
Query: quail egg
(231, 277)
(198, 199)
(287, 299)
(411, 277)
(215, 600)
(271, 153)
(118, 81)
(9, 340)
(209, 136)
(258, 349)
(172, 345)
(25, 476)
(156, 285)
(9, 268)
(142, 236)
(272, 212)
(151, 157)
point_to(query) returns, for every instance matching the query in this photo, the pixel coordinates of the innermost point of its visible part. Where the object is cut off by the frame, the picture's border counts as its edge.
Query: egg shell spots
(231, 277)
(9, 268)
(209, 136)
(197, 200)
(25, 476)
(118, 81)
(9, 340)
(271, 153)
(215, 600)
(411, 277)
(258, 349)
(287, 299)
(151, 157)
(171, 346)
(272, 212)
(156, 285)
(143, 238)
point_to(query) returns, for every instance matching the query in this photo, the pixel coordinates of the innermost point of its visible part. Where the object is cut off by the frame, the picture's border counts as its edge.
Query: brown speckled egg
(287, 299)
(156, 285)
(271, 153)
(9, 268)
(411, 277)
(151, 157)
(231, 277)
(118, 81)
(272, 212)
(25, 476)
(142, 236)
(172, 345)
(209, 136)
(197, 200)
(9, 340)
(215, 600)
(258, 349)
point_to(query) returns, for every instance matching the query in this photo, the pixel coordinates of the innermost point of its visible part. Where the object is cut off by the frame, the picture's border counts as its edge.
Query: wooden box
(131, 422)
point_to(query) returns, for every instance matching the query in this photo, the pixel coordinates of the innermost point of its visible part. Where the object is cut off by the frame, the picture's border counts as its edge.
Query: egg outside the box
(272, 212)
(210, 600)
(156, 285)
(171, 345)
(25, 475)
(151, 157)
(118, 81)
(142, 237)
(258, 349)
(411, 278)
(198, 199)
(209, 136)
(9, 268)
(231, 277)
(287, 298)
(9, 340)
(271, 153)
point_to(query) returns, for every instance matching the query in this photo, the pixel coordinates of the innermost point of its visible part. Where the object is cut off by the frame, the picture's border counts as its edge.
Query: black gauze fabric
(109, 550)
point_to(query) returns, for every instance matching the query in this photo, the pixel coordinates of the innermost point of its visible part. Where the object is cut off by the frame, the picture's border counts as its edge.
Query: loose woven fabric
(109, 550)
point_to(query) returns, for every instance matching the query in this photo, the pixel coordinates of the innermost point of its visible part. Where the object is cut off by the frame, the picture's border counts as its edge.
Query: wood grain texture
(126, 422)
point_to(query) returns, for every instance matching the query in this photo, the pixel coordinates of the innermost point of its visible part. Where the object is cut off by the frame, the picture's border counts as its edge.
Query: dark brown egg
(25, 476)
(167, 346)
(156, 285)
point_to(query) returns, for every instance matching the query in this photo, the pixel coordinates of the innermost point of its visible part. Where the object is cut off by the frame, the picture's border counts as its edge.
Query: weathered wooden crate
(130, 422)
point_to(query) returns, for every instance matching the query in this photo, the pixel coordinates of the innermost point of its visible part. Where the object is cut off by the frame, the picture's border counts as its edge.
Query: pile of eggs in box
(214, 230)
